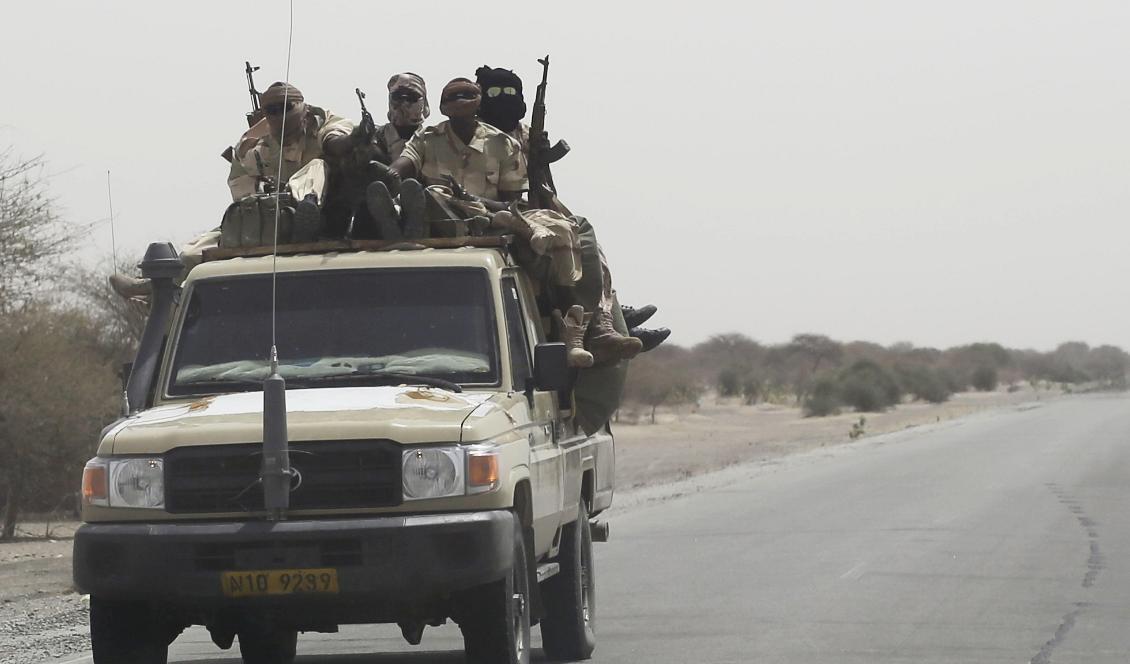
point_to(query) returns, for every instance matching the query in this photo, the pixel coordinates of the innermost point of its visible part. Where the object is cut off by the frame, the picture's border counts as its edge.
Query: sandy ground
(42, 618)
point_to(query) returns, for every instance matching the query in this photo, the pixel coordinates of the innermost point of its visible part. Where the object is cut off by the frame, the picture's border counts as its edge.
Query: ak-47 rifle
(368, 127)
(542, 190)
(256, 113)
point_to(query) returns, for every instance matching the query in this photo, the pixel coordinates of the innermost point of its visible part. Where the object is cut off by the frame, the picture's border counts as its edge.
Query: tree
(31, 233)
(56, 392)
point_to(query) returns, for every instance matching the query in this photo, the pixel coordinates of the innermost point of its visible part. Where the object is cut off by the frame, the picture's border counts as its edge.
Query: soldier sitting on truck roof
(503, 106)
(310, 133)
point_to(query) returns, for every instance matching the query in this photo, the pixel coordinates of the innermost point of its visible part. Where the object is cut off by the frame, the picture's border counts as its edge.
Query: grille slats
(334, 474)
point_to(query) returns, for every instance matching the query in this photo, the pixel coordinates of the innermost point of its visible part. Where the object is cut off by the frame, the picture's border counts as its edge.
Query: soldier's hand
(457, 190)
(337, 145)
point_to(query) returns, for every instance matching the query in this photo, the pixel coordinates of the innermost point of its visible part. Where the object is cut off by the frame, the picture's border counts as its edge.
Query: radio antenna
(275, 472)
(113, 238)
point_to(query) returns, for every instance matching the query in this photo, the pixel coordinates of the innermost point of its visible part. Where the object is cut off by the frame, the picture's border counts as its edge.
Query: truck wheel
(276, 646)
(496, 628)
(570, 596)
(126, 633)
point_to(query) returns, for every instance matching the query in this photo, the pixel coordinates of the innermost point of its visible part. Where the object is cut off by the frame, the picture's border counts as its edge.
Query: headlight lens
(137, 483)
(433, 472)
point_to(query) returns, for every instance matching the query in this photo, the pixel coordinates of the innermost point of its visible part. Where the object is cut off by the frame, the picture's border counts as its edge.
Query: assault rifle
(256, 113)
(542, 190)
(368, 127)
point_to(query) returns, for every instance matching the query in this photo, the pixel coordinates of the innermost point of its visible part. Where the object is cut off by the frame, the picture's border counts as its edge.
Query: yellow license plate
(279, 582)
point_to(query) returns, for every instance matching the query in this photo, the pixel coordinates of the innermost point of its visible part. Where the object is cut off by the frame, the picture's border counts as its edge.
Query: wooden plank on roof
(327, 246)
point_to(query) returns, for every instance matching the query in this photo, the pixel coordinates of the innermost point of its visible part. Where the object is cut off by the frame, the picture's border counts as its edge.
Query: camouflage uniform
(492, 163)
(303, 169)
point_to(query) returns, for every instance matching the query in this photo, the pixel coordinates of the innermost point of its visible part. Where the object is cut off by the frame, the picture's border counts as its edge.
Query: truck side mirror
(551, 367)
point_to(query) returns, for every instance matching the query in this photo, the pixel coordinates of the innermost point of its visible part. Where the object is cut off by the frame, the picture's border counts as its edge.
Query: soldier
(407, 110)
(309, 133)
(504, 106)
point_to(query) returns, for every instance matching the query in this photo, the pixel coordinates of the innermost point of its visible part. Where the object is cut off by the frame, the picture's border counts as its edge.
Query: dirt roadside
(43, 619)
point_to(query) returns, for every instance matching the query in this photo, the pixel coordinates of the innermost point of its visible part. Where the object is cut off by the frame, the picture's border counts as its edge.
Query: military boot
(573, 325)
(130, 287)
(307, 221)
(413, 207)
(650, 338)
(634, 317)
(506, 221)
(381, 208)
(607, 345)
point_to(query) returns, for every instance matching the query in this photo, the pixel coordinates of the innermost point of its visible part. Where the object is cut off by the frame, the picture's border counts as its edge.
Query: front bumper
(394, 559)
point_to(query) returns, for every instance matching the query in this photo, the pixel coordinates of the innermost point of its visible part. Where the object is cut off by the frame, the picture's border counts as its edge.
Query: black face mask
(503, 110)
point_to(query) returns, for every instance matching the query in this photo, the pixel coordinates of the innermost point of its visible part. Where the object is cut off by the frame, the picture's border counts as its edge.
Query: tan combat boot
(608, 345)
(130, 287)
(573, 325)
(512, 222)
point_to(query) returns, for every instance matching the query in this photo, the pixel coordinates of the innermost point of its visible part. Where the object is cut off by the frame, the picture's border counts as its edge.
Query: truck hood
(404, 414)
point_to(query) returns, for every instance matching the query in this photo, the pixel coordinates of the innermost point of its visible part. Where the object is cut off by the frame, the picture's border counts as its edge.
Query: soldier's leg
(308, 186)
(608, 336)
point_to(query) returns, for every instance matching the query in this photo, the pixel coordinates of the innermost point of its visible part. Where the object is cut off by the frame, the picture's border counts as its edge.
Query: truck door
(546, 465)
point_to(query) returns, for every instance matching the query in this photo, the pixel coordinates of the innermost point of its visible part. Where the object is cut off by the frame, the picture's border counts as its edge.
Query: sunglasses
(277, 108)
(460, 95)
(406, 95)
(495, 90)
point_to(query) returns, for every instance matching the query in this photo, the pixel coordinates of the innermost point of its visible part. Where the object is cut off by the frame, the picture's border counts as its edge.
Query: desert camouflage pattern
(490, 164)
(245, 169)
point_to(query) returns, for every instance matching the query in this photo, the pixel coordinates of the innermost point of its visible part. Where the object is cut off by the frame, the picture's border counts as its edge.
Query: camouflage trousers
(597, 392)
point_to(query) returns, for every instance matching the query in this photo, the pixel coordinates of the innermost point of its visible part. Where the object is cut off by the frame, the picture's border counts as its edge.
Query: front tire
(127, 633)
(496, 622)
(567, 630)
(275, 646)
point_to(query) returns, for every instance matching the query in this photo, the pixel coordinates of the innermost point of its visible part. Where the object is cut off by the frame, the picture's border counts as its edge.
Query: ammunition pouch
(250, 222)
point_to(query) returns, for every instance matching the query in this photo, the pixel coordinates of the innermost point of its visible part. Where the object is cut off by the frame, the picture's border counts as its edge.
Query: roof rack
(326, 246)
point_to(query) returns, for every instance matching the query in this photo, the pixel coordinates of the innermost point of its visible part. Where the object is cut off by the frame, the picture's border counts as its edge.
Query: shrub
(924, 383)
(868, 387)
(729, 383)
(985, 378)
(823, 399)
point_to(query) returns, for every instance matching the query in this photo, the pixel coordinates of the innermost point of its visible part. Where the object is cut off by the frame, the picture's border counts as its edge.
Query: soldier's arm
(335, 135)
(241, 183)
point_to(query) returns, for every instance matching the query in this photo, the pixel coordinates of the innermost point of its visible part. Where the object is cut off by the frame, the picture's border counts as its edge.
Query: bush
(925, 383)
(823, 400)
(729, 383)
(985, 378)
(868, 387)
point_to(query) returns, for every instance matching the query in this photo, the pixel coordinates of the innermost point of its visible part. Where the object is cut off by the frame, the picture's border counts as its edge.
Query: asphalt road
(998, 538)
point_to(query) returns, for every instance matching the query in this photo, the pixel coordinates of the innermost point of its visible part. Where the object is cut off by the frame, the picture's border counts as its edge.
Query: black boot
(412, 208)
(307, 220)
(635, 317)
(650, 338)
(379, 201)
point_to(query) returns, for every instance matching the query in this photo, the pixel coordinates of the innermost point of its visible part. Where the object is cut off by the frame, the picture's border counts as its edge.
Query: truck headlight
(433, 472)
(137, 483)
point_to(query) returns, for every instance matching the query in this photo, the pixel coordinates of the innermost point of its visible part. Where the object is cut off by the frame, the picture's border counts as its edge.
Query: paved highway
(1003, 537)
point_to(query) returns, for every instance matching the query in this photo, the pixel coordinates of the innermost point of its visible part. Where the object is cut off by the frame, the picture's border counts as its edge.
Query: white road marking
(855, 572)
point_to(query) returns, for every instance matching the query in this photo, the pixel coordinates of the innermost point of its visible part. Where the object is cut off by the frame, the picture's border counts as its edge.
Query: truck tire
(126, 633)
(276, 646)
(570, 596)
(496, 625)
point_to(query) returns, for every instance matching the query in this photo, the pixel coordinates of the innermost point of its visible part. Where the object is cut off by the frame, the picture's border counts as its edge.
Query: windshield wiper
(363, 374)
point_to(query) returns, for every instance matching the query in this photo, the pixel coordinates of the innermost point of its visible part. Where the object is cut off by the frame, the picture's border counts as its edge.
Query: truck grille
(332, 475)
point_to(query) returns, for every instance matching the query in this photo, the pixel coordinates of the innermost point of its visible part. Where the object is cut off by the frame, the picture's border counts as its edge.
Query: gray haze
(887, 171)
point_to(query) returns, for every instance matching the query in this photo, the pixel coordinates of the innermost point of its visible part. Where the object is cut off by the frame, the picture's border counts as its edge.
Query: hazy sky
(933, 172)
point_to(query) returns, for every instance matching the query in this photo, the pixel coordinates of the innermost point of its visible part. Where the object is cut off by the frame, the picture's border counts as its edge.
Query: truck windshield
(335, 327)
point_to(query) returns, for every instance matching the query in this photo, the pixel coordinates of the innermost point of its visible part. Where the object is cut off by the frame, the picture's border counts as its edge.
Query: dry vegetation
(827, 377)
(64, 337)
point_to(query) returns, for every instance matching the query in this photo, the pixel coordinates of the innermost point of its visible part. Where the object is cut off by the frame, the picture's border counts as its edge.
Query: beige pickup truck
(435, 468)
